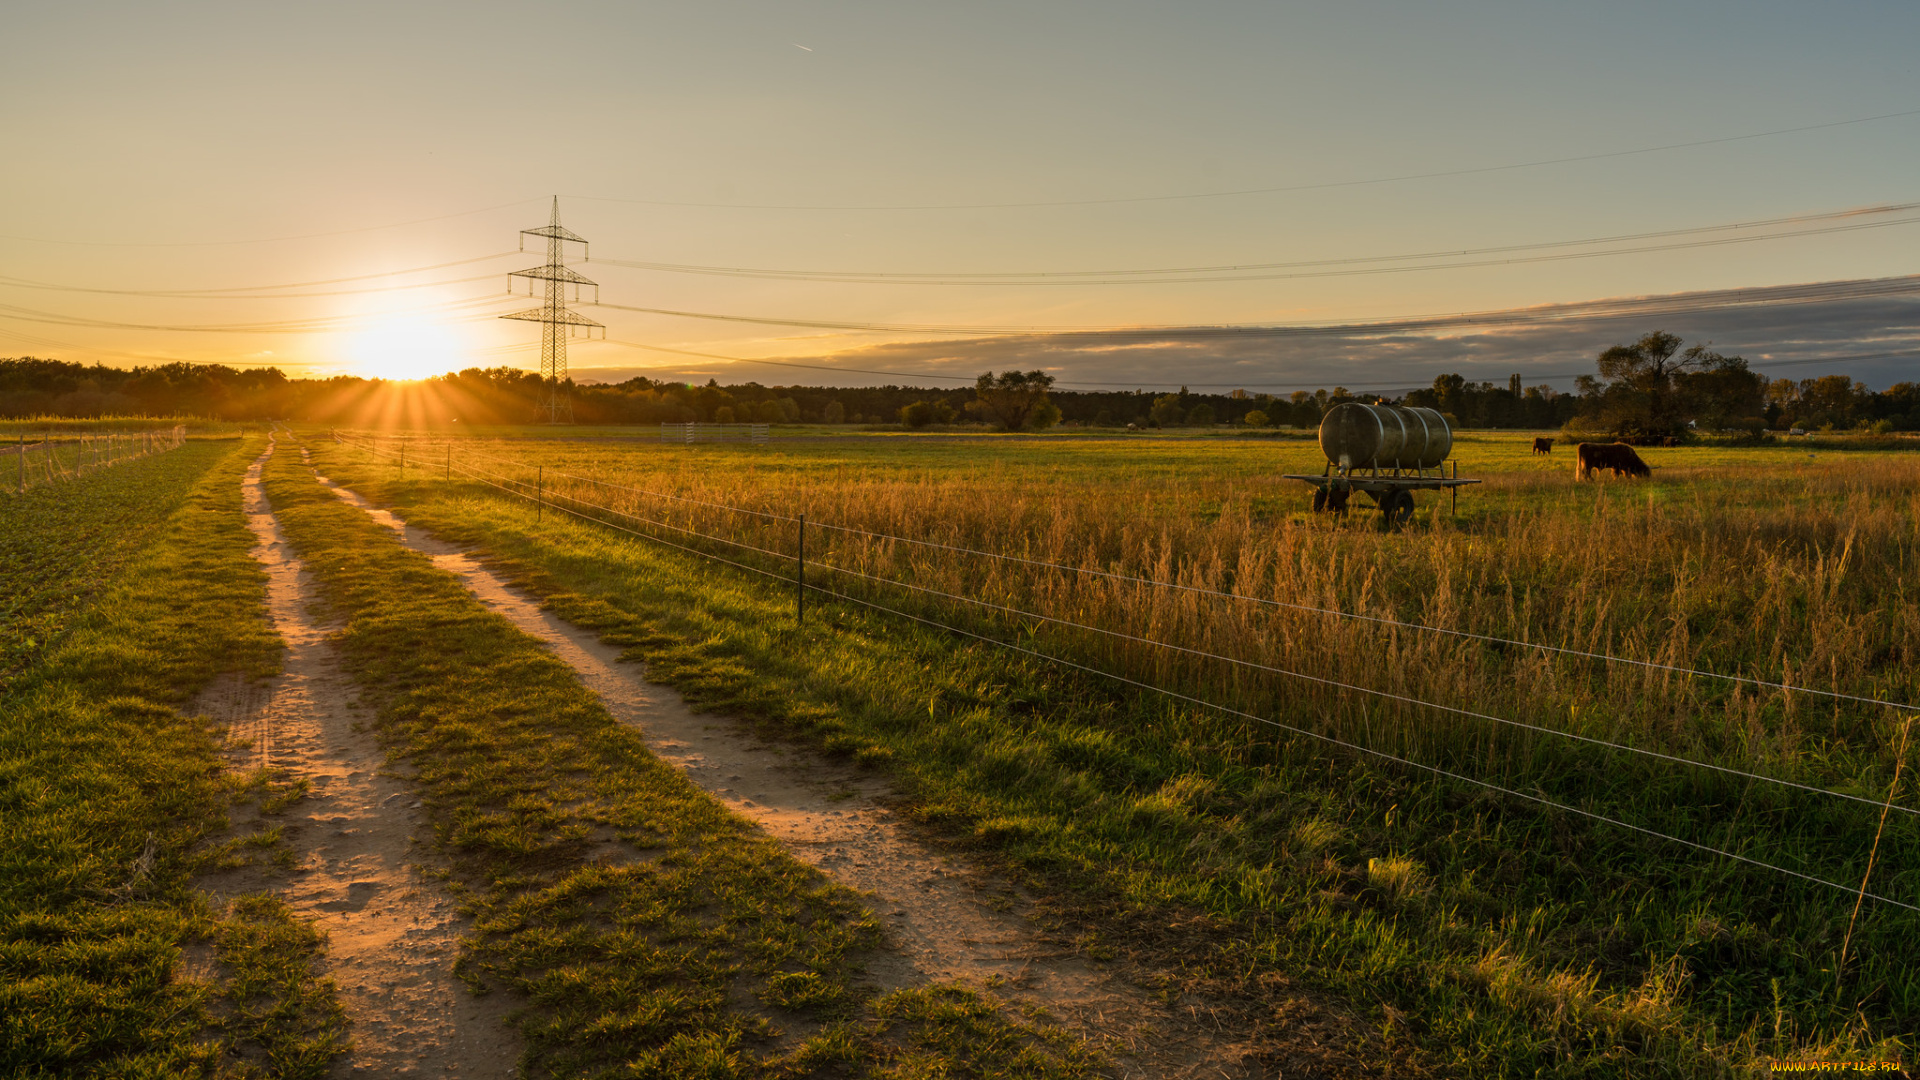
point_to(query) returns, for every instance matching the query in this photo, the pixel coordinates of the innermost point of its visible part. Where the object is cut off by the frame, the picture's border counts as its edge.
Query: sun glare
(405, 348)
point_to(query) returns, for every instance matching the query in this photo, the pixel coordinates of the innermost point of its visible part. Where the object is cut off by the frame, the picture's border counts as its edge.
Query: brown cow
(1618, 457)
(1542, 445)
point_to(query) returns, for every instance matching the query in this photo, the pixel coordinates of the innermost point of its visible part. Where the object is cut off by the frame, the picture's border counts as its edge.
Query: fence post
(449, 461)
(800, 578)
(539, 492)
(23, 461)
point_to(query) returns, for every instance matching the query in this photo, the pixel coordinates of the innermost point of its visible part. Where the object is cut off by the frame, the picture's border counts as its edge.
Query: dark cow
(1618, 457)
(1542, 445)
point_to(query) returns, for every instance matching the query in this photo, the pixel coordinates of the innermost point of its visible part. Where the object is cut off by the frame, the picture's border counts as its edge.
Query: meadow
(126, 592)
(1542, 905)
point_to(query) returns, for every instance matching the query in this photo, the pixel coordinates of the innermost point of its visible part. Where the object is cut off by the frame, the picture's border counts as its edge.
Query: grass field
(1491, 934)
(127, 592)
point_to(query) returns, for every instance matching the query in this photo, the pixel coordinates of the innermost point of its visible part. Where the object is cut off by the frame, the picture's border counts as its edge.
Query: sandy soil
(392, 934)
(948, 921)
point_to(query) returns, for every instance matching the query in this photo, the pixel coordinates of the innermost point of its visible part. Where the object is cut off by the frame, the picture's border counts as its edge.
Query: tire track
(392, 933)
(947, 921)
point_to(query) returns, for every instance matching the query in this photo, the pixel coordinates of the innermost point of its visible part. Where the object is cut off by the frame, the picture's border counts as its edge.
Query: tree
(1652, 388)
(917, 415)
(834, 413)
(1200, 415)
(1166, 411)
(1256, 418)
(1010, 399)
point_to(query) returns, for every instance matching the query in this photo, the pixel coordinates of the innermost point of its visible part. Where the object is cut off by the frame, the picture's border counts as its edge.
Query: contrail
(797, 45)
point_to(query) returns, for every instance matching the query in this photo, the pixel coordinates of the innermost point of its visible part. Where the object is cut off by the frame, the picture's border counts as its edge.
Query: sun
(404, 347)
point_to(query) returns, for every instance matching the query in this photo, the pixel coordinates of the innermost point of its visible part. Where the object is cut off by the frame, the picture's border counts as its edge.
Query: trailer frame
(1390, 489)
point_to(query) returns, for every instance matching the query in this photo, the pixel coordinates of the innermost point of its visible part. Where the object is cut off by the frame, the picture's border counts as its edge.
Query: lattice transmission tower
(557, 321)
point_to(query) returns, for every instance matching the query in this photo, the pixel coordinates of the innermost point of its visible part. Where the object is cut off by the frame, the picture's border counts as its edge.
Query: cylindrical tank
(1356, 436)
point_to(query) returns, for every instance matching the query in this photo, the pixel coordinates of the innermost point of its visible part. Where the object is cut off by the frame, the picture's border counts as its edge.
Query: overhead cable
(1840, 221)
(1275, 190)
(263, 239)
(238, 292)
(1637, 307)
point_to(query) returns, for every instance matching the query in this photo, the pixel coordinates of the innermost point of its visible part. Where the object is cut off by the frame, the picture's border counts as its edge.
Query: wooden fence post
(800, 578)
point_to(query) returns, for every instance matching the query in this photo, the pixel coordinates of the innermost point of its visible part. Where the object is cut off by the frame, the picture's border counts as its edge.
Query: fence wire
(53, 458)
(510, 486)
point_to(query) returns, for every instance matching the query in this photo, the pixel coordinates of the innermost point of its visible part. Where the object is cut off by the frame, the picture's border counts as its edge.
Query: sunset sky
(216, 151)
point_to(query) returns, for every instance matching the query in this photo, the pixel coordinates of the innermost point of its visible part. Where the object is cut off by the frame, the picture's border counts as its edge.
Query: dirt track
(392, 935)
(948, 922)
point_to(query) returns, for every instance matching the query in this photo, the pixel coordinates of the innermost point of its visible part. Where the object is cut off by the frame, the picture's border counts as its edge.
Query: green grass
(1496, 938)
(61, 544)
(692, 954)
(111, 962)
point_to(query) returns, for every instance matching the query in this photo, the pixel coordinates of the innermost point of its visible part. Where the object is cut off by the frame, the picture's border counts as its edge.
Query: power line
(1614, 308)
(292, 326)
(228, 293)
(1233, 193)
(1351, 266)
(264, 239)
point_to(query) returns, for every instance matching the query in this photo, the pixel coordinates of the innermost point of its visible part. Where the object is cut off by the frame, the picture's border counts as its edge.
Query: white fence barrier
(51, 457)
(693, 433)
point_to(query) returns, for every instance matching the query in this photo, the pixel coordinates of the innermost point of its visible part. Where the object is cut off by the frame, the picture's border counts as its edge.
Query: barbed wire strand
(1248, 664)
(1385, 694)
(1239, 713)
(1491, 639)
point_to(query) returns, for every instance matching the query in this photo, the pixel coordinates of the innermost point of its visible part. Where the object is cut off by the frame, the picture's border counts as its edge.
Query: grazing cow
(1618, 457)
(1542, 445)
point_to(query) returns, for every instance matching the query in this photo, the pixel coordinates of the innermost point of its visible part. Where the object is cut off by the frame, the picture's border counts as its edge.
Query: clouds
(1857, 328)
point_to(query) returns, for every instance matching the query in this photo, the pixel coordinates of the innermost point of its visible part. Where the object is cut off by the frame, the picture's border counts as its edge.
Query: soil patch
(357, 847)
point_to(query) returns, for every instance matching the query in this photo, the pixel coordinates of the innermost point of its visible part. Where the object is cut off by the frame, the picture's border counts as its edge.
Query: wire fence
(51, 458)
(858, 585)
(695, 432)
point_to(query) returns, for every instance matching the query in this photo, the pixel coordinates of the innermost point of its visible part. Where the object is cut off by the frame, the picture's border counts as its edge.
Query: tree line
(1652, 388)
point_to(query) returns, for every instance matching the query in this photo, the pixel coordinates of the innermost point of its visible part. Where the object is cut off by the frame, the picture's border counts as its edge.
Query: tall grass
(1760, 563)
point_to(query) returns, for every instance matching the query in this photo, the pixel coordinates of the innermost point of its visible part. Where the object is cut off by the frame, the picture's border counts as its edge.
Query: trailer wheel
(1319, 500)
(1396, 508)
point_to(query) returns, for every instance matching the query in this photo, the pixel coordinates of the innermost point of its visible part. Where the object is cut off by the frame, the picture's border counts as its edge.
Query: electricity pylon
(554, 317)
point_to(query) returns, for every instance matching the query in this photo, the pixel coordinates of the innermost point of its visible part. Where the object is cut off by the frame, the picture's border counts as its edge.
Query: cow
(1542, 445)
(1618, 457)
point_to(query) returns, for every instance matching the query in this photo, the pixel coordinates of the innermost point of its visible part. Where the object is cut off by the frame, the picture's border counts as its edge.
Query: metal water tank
(1356, 436)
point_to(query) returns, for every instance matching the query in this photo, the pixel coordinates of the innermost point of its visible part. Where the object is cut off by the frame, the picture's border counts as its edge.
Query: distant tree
(1044, 415)
(1653, 388)
(1103, 418)
(834, 413)
(1167, 412)
(1200, 415)
(1830, 401)
(1009, 399)
(917, 415)
(1256, 418)
(723, 415)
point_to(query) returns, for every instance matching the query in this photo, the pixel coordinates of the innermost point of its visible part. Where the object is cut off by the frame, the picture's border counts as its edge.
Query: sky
(843, 194)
